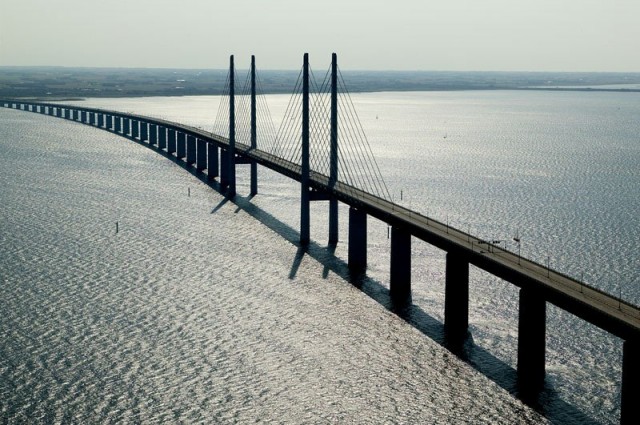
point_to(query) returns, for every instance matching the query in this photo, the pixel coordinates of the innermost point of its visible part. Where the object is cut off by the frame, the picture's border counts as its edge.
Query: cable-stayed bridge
(321, 144)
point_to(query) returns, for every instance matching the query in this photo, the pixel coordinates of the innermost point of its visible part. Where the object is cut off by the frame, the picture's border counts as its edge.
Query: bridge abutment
(357, 240)
(400, 279)
(456, 300)
(531, 341)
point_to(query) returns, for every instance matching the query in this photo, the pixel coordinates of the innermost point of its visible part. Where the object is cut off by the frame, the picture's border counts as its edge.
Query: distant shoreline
(54, 83)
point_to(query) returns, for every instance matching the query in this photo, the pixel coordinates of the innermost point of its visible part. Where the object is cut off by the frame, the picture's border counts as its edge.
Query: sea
(131, 291)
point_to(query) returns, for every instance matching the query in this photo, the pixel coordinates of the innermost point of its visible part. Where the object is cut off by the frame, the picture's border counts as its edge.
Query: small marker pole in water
(117, 229)
(189, 191)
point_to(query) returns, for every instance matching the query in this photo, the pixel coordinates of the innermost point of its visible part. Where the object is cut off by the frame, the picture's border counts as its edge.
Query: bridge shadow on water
(547, 402)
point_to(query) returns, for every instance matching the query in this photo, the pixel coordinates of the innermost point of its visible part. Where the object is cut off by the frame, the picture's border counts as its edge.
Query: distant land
(72, 83)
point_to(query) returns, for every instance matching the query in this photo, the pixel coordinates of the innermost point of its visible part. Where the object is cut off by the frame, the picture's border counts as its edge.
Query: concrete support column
(108, 122)
(144, 131)
(400, 280)
(357, 240)
(126, 126)
(83, 116)
(224, 168)
(162, 137)
(629, 408)
(191, 149)
(201, 155)
(101, 120)
(153, 134)
(181, 144)
(212, 161)
(135, 129)
(76, 115)
(456, 299)
(531, 341)
(171, 141)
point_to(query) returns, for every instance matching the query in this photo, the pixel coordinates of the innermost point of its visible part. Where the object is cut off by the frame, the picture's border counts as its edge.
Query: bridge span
(539, 285)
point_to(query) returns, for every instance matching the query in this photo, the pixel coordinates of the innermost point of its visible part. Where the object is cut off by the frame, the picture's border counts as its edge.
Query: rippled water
(202, 310)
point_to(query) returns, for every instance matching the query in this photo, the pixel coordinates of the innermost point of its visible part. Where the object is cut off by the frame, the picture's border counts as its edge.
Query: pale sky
(464, 35)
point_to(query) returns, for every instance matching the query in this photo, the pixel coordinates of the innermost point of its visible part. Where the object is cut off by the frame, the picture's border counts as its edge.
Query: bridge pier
(531, 341)
(162, 137)
(629, 410)
(171, 141)
(126, 126)
(153, 134)
(83, 117)
(181, 145)
(400, 279)
(357, 240)
(191, 149)
(212, 161)
(144, 131)
(135, 129)
(100, 122)
(118, 124)
(456, 299)
(201, 154)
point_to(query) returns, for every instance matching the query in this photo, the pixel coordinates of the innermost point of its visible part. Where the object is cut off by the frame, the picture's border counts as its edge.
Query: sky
(459, 35)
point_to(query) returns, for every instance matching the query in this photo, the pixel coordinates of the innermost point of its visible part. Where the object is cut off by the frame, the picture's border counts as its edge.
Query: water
(165, 321)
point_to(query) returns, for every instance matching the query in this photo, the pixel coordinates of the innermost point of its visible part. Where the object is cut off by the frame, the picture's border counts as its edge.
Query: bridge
(217, 155)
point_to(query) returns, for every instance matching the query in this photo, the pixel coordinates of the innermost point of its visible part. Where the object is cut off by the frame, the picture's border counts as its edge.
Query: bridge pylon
(306, 194)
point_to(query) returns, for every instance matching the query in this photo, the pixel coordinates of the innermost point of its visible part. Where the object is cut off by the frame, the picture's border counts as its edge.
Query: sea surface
(204, 310)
